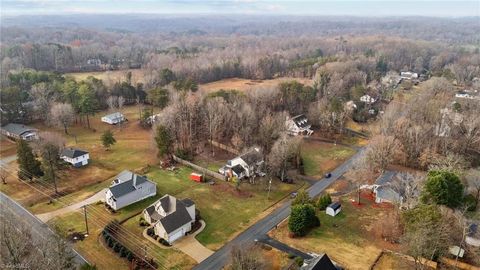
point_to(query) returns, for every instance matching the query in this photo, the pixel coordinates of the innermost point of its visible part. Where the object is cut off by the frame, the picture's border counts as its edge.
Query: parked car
(287, 180)
(293, 195)
(328, 175)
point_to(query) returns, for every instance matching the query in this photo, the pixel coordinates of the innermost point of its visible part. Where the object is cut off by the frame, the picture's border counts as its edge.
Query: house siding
(144, 191)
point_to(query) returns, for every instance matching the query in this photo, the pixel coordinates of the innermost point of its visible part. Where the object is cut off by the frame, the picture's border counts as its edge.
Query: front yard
(320, 157)
(350, 238)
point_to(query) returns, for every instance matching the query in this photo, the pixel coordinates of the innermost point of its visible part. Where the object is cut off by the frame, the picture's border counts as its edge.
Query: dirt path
(95, 198)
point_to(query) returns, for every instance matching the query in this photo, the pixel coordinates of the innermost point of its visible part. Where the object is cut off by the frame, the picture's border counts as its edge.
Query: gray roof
(301, 121)
(114, 116)
(188, 202)
(389, 194)
(252, 156)
(176, 219)
(126, 182)
(73, 153)
(385, 178)
(335, 205)
(238, 169)
(321, 262)
(17, 129)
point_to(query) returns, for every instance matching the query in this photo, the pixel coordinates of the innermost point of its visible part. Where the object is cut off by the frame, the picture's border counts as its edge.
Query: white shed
(333, 209)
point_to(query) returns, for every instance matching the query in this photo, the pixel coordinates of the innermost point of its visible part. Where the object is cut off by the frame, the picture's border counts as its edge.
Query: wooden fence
(200, 169)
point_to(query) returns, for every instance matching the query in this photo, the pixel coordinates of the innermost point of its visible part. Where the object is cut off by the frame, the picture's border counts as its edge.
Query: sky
(375, 8)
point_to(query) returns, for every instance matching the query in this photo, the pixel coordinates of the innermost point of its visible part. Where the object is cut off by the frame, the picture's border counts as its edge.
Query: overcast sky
(440, 8)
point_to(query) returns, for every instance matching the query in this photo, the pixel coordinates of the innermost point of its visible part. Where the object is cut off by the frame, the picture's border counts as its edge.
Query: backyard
(349, 238)
(320, 157)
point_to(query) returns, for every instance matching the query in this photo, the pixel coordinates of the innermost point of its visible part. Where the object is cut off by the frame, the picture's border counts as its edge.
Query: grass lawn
(112, 76)
(349, 238)
(7, 147)
(320, 157)
(246, 84)
(392, 261)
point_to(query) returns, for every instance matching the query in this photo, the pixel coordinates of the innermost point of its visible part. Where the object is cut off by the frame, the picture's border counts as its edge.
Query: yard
(320, 157)
(349, 238)
(7, 147)
(133, 150)
(112, 76)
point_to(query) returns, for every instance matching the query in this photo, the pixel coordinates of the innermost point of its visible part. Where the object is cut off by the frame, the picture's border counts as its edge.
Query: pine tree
(163, 140)
(108, 139)
(29, 165)
(50, 153)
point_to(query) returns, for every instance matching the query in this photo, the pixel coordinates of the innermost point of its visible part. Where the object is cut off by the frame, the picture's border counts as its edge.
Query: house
(350, 106)
(473, 236)
(298, 125)
(113, 118)
(171, 218)
(368, 99)
(246, 165)
(94, 62)
(468, 94)
(333, 209)
(75, 157)
(321, 262)
(456, 250)
(408, 75)
(129, 188)
(386, 190)
(19, 131)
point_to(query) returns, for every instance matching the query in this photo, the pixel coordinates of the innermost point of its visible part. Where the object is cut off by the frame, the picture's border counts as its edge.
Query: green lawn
(319, 157)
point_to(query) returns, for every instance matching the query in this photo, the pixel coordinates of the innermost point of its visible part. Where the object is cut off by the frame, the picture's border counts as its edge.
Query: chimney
(134, 176)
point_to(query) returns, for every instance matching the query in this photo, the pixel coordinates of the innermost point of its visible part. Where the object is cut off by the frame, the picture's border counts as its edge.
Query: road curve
(218, 259)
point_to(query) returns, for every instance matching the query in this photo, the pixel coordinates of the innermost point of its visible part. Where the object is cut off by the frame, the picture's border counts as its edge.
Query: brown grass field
(112, 76)
(246, 84)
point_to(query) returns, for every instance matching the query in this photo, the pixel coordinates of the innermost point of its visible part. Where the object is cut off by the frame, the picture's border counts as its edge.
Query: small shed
(196, 177)
(333, 209)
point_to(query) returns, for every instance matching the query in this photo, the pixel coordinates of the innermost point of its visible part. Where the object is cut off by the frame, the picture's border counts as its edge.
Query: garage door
(176, 235)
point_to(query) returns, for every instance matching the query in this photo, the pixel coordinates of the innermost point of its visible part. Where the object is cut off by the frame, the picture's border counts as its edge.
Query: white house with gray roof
(171, 218)
(114, 118)
(245, 165)
(76, 157)
(298, 125)
(19, 131)
(129, 188)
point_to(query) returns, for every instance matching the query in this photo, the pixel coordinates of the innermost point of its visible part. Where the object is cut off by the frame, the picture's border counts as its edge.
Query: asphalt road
(218, 259)
(283, 247)
(38, 228)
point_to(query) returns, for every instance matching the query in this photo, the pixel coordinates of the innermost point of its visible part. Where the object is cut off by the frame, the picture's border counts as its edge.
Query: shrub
(299, 261)
(129, 256)
(164, 242)
(117, 247)
(150, 231)
(111, 242)
(183, 154)
(123, 252)
(301, 198)
(324, 201)
(470, 202)
(291, 256)
(302, 218)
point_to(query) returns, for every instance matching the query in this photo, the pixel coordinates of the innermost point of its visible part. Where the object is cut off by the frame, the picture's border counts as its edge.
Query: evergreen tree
(51, 163)
(164, 141)
(107, 139)
(302, 218)
(88, 103)
(443, 187)
(29, 165)
(324, 201)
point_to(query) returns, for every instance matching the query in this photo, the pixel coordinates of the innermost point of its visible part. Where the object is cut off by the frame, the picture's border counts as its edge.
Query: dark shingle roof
(176, 219)
(301, 121)
(17, 129)
(385, 178)
(252, 157)
(238, 169)
(321, 262)
(335, 205)
(127, 185)
(73, 153)
(187, 202)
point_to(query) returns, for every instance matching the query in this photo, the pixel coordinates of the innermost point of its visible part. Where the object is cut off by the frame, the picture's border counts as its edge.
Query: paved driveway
(95, 198)
(190, 246)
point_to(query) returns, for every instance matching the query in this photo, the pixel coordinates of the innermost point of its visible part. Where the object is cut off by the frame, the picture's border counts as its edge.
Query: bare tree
(451, 162)
(246, 258)
(473, 181)
(382, 151)
(120, 102)
(62, 114)
(112, 102)
(43, 97)
(215, 111)
(3, 175)
(410, 186)
(283, 149)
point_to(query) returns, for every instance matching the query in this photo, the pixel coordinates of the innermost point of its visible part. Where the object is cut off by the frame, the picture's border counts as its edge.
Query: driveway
(5, 160)
(190, 246)
(100, 196)
(283, 247)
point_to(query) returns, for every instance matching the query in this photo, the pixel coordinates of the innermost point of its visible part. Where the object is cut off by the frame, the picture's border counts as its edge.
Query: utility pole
(269, 187)
(85, 214)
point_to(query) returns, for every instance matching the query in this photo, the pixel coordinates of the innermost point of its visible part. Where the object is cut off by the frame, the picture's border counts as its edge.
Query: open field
(111, 76)
(348, 238)
(392, 261)
(319, 157)
(246, 84)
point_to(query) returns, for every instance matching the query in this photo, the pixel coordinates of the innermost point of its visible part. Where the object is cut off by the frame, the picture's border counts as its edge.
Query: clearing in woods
(246, 84)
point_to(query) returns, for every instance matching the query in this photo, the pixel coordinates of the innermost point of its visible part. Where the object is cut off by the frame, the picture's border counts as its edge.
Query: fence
(225, 147)
(200, 169)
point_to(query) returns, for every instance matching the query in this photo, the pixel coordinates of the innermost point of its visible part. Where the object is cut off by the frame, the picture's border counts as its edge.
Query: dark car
(328, 175)
(287, 180)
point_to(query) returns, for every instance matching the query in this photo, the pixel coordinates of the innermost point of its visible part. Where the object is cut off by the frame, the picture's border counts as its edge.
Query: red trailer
(196, 177)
